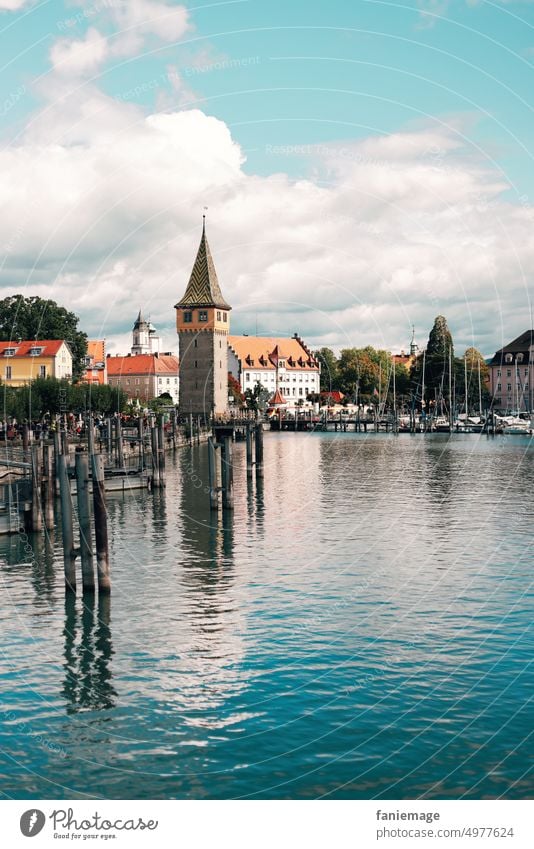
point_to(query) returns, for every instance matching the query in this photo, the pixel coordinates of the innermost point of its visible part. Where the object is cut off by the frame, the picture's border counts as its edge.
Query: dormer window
(10, 352)
(508, 358)
(36, 352)
(291, 361)
(301, 362)
(519, 358)
(281, 363)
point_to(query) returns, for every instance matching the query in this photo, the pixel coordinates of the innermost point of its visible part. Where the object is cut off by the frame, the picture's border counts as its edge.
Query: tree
(474, 364)
(329, 369)
(437, 360)
(257, 398)
(38, 318)
(49, 396)
(234, 390)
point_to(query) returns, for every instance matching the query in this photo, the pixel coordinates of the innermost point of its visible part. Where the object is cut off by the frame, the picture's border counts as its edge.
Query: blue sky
(307, 92)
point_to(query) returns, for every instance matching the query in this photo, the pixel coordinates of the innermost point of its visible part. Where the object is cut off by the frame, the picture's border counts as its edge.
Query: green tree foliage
(329, 380)
(37, 318)
(49, 396)
(234, 391)
(258, 397)
(474, 363)
(438, 361)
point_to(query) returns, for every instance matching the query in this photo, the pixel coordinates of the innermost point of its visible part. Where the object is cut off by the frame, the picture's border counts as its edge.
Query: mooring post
(109, 439)
(37, 516)
(49, 485)
(212, 474)
(101, 524)
(198, 430)
(248, 437)
(65, 443)
(25, 439)
(154, 447)
(259, 450)
(173, 429)
(57, 452)
(141, 435)
(161, 452)
(69, 553)
(120, 451)
(190, 428)
(227, 474)
(90, 434)
(84, 520)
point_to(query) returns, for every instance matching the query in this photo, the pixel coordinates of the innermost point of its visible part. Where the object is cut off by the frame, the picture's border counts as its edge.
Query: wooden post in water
(259, 450)
(227, 474)
(37, 516)
(198, 430)
(120, 451)
(101, 524)
(161, 453)
(212, 474)
(190, 428)
(65, 443)
(57, 452)
(141, 435)
(84, 520)
(154, 446)
(248, 436)
(90, 425)
(173, 429)
(49, 485)
(109, 439)
(69, 554)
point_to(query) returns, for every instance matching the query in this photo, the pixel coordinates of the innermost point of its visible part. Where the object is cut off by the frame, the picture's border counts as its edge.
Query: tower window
(196, 343)
(218, 315)
(188, 317)
(196, 363)
(202, 315)
(225, 316)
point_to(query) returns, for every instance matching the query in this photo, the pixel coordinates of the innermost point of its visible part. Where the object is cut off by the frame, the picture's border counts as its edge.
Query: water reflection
(88, 650)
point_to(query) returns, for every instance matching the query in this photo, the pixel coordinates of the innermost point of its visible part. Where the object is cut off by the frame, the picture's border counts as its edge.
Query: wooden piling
(65, 443)
(248, 437)
(120, 450)
(259, 450)
(101, 524)
(190, 428)
(36, 511)
(154, 446)
(69, 554)
(84, 520)
(57, 452)
(161, 453)
(173, 429)
(212, 474)
(48, 485)
(25, 438)
(141, 435)
(227, 473)
(109, 439)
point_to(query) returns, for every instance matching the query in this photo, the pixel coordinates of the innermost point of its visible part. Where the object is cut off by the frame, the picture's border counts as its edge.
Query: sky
(365, 165)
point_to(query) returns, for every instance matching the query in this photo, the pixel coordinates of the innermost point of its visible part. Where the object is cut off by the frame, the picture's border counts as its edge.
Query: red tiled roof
(142, 364)
(96, 350)
(22, 349)
(277, 399)
(335, 396)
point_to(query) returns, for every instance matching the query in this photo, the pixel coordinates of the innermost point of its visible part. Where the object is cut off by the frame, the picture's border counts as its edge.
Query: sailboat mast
(450, 390)
(479, 391)
(465, 381)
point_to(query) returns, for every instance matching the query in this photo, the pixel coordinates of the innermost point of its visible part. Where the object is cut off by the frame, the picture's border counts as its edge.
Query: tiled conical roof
(277, 400)
(203, 289)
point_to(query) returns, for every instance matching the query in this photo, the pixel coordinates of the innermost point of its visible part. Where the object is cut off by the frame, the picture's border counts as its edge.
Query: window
(42, 371)
(508, 358)
(519, 358)
(127, 382)
(196, 363)
(218, 315)
(87, 359)
(247, 375)
(225, 316)
(509, 373)
(8, 372)
(498, 387)
(498, 372)
(509, 387)
(136, 381)
(9, 352)
(526, 372)
(202, 315)
(196, 343)
(220, 344)
(36, 352)
(168, 381)
(188, 317)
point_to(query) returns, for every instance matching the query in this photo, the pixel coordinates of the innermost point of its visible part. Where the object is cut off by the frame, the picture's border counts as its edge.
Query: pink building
(511, 374)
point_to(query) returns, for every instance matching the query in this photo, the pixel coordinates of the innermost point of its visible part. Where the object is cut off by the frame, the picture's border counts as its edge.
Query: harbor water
(360, 627)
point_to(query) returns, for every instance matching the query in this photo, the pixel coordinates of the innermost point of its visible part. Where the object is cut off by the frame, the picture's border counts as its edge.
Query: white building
(282, 364)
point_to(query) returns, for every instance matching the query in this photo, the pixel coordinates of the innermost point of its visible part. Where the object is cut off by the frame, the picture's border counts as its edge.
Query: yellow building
(22, 362)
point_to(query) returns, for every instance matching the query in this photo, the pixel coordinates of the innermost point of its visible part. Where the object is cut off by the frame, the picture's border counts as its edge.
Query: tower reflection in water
(88, 650)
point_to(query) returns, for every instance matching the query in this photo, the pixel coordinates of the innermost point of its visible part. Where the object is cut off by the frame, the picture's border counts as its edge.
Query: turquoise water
(361, 628)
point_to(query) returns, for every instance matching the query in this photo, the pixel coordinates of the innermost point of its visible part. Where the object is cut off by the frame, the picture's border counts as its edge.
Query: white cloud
(78, 56)
(13, 5)
(100, 208)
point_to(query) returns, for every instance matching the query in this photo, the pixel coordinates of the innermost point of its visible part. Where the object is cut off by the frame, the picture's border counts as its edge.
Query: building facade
(22, 362)
(95, 363)
(282, 365)
(144, 337)
(203, 324)
(511, 374)
(145, 376)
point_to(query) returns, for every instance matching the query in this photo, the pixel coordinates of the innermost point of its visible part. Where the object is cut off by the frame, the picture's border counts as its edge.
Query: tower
(141, 336)
(203, 324)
